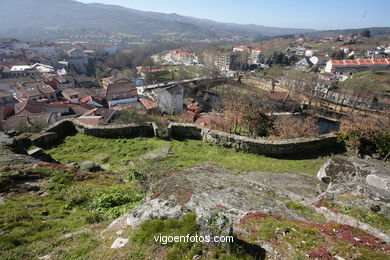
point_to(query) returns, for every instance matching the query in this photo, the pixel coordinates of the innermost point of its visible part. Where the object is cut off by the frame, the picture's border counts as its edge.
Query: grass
(381, 81)
(34, 224)
(195, 69)
(120, 152)
(186, 73)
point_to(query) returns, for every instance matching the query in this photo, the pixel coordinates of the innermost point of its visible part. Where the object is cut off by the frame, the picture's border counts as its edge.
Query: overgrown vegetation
(367, 135)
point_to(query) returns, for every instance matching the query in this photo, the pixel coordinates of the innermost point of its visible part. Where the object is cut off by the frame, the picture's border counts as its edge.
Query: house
(346, 49)
(241, 48)
(326, 76)
(115, 79)
(39, 120)
(78, 60)
(255, 55)
(38, 91)
(122, 91)
(148, 103)
(320, 60)
(221, 61)
(20, 71)
(84, 95)
(58, 107)
(169, 100)
(28, 107)
(300, 51)
(347, 66)
(180, 56)
(309, 52)
(43, 68)
(303, 64)
(97, 116)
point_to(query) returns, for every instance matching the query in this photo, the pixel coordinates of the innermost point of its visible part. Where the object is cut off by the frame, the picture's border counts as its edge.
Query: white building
(169, 100)
(357, 65)
(310, 52)
(43, 68)
(320, 60)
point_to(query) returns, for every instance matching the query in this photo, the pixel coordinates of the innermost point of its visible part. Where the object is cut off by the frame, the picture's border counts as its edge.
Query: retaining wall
(71, 126)
(294, 146)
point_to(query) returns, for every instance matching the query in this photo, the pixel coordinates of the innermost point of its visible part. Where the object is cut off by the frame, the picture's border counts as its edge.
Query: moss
(374, 219)
(306, 238)
(305, 211)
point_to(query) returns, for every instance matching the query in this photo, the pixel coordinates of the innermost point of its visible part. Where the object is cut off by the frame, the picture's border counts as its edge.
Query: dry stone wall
(70, 126)
(293, 146)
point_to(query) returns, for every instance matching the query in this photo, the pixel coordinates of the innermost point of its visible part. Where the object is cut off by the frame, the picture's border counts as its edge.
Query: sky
(312, 14)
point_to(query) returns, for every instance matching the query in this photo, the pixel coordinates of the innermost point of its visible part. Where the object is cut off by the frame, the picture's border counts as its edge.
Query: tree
(361, 88)
(309, 85)
(273, 74)
(339, 55)
(365, 33)
(257, 121)
(128, 73)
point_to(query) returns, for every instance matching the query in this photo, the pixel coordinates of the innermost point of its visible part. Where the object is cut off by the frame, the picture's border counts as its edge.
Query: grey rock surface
(220, 197)
(89, 166)
(9, 157)
(357, 182)
(119, 242)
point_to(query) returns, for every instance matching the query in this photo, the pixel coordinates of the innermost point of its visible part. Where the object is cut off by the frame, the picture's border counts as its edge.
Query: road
(176, 82)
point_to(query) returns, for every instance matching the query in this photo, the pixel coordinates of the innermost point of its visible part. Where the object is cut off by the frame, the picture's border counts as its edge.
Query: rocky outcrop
(357, 182)
(221, 198)
(8, 157)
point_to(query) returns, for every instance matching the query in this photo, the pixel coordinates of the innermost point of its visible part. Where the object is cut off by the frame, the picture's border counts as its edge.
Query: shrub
(366, 135)
(114, 203)
(93, 217)
(293, 127)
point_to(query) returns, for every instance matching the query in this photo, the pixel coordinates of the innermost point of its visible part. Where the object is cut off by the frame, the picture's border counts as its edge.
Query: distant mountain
(56, 19)
(374, 31)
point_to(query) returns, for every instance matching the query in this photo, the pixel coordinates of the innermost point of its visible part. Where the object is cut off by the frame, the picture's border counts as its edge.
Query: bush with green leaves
(115, 202)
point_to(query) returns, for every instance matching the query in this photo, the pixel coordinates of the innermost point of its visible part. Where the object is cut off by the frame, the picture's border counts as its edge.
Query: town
(125, 132)
(43, 82)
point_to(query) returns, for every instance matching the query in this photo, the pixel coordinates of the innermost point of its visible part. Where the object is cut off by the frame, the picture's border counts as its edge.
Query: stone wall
(295, 146)
(71, 126)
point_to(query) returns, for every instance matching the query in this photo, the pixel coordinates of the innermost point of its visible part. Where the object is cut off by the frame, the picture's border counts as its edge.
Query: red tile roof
(148, 103)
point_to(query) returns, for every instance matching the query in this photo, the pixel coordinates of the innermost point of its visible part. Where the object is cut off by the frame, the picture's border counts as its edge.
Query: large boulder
(357, 182)
(8, 156)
